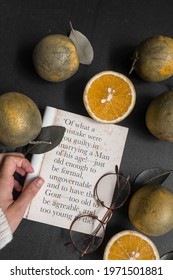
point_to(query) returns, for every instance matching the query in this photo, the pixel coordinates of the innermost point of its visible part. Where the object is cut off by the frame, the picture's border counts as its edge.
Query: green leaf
(156, 175)
(6, 149)
(48, 139)
(167, 256)
(83, 46)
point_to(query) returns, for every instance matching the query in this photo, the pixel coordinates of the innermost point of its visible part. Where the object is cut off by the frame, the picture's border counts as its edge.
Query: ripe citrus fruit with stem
(153, 59)
(159, 116)
(130, 245)
(20, 119)
(55, 58)
(151, 209)
(109, 97)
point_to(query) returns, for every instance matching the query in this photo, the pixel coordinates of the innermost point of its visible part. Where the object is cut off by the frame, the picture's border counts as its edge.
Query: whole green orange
(151, 209)
(20, 119)
(159, 116)
(153, 59)
(55, 58)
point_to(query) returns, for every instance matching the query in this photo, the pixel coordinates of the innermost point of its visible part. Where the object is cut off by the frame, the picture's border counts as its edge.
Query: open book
(87, 151)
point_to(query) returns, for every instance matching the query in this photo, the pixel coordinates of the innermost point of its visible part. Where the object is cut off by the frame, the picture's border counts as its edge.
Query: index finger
(12, 163)
(4, 155)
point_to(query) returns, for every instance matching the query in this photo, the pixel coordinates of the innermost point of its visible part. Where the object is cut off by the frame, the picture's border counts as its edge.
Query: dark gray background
(115, 28)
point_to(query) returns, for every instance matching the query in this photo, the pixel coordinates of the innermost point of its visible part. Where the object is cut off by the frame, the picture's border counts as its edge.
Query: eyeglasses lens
(115, 186)
(90, 241)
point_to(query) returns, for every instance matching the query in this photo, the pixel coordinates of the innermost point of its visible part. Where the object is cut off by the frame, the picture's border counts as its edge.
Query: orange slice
(130, 245)
(109, 97)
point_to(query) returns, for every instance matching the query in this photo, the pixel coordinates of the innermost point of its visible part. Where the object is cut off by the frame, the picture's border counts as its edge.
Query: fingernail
(39, 182)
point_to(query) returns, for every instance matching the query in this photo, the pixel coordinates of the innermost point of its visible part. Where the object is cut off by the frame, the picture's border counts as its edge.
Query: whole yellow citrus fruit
(55, 58)
(151, 210)
(20, 119)
(130, 245)
(153, 59)
(159, 116)
(109, 97)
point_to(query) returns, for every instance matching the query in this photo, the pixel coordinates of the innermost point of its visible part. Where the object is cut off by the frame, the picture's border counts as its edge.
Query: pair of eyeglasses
(89, 242)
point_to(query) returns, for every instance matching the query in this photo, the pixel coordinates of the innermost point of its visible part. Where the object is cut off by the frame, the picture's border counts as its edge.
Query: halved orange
(109, 97)
(130, 245)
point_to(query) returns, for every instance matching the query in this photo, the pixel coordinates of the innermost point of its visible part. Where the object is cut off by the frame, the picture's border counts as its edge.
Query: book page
(88, 150)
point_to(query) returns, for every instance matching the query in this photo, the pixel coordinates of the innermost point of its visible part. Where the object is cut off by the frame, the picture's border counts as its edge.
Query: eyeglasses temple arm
(68, 244)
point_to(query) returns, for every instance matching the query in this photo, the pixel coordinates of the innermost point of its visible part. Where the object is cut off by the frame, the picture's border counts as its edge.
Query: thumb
(30, 192)
(17, 210)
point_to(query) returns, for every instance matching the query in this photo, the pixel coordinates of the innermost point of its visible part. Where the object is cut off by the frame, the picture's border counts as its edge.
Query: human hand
(15, 210)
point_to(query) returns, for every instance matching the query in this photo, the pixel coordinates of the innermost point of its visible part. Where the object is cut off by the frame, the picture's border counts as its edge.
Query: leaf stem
(40, 142)
(71, 25)
(136, 58)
